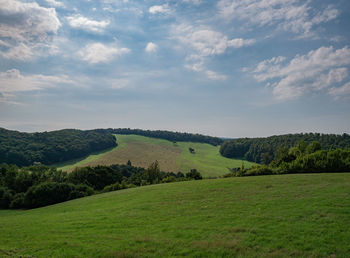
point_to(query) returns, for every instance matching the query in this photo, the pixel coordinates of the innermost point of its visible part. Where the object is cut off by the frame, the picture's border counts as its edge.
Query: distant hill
(60, 146)
(172, 156)
(25, 149)
(262, 150)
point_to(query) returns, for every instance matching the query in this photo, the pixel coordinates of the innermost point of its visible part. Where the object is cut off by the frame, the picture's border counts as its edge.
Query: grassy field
(142, 151)
(304, 215)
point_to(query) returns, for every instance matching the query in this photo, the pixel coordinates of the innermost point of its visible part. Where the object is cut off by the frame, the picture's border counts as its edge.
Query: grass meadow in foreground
(267, 216)
(142, 151)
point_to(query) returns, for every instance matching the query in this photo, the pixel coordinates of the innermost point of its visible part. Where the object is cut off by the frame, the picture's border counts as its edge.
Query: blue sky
(233, 68)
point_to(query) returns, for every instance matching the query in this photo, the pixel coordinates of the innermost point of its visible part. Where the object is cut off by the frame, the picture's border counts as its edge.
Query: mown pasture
(306, 215)
(172, 156)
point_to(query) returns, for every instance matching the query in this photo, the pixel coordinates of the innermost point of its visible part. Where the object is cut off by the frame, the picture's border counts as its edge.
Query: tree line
(37, 186)
(263, 150)
(170, 136)
(24, 149)
(302, 158)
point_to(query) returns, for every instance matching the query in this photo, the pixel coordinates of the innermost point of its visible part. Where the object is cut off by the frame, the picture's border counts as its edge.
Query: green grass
(206, 159)
(71, 164)
(142, 151)
(304, 215)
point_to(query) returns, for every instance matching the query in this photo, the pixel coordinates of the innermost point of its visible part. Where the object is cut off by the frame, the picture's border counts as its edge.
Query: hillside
(142, 151)
(269, 216)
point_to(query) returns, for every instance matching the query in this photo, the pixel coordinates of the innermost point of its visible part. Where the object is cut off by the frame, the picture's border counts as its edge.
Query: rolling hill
(270, 216)
(172, 156)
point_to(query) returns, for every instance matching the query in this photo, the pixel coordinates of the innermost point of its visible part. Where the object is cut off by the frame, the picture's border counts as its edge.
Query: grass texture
(304, 215)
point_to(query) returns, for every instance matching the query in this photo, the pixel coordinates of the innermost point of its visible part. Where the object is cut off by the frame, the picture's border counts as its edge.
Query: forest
(263, 150)
(24, 149)
(40, 185)
(301, 158)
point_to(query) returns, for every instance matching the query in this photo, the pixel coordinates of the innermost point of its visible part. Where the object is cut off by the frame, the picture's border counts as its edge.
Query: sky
(228, 68)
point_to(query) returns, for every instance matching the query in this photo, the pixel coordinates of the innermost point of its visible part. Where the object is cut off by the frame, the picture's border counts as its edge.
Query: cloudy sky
(225, 68)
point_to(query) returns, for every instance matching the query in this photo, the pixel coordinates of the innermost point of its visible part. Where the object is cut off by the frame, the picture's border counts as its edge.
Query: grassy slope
(142, 151)
(267, 216)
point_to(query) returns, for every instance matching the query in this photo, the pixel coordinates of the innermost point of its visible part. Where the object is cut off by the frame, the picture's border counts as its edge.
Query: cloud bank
(289, 15)
(25, 27)
(204, 42)
(13, 81)
(317, 70)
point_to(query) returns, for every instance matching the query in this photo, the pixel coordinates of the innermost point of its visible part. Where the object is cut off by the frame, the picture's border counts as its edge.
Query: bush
(113, 187)
(259, 170)
(17, 201)
(169, 179)
(97, 177)
(194, 174)
(81, 191)
(50, 193)
(6, 196)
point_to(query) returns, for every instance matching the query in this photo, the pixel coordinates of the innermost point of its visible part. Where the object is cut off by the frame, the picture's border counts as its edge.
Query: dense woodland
(36, 186)
(24, 149)
(302, 158)
(170, 136)
(263, 150)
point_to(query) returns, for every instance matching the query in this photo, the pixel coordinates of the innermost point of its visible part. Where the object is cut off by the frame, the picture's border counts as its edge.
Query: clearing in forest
(172, 156)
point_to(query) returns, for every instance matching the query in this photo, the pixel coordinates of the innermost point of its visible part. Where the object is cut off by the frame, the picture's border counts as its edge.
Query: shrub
(113, 187)
(17, 201)
(6, 196)
(51, 192)
(169, 179)
(80, 191)
(194, 174)
(259, 170)
(97, 177)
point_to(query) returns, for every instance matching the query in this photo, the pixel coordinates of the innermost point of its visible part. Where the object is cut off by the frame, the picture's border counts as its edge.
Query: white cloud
(202, 43)
(151, 47)
(291, 15)
(20, 52)
(55, 3)
(84, 23)
(98, 53)
(25, 27)
(159, 9)
(343, 91)
(317, 70)
(207, 42)
(13, 81)
(195, 2)
(27, 21)
(215, 76)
